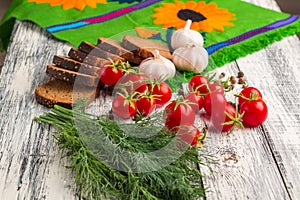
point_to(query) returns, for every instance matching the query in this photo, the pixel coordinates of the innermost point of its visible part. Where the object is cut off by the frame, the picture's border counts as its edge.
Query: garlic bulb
(190, 58)
(185, 36)
(157, 67)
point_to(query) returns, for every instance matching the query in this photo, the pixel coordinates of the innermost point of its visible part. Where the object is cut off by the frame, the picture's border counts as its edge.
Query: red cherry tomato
(110, 75)
(145, 104)
(123, 108)
(162, 92)
(131, 81)
(215, 87)
(189, 134)
(196, 101)
(143, 88)
(177, 114)
(255, 112)
(214, 102)
(248, 93)
(218, 118)
(199, 84)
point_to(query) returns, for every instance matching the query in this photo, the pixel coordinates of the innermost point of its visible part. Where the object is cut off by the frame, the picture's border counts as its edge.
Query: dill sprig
(128, 171)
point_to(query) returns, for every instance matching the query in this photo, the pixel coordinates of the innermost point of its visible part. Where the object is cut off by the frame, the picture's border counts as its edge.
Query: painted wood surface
(30, 162)
(263, 162)
(255, 163)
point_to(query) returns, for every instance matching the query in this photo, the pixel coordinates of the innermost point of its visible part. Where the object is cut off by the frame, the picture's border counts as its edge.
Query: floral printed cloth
(231, 29)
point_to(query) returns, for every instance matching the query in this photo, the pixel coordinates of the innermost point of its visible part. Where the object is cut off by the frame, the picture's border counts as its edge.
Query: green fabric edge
(5, 35)
(8, 22)
(9, 18)
(234, 52)
(221, 57)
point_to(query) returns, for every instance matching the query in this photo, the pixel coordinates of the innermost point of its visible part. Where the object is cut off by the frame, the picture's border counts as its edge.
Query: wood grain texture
(263, 162)
(255, 163)
(30, 162)
(246, 166)
(279, 70)
(279, 66)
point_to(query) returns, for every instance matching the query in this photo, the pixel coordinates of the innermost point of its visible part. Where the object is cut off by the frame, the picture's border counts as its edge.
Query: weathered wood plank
(278, 71)
(263, 162)
(279, 68)
(258, 163)
(246, 167)
(30, 162)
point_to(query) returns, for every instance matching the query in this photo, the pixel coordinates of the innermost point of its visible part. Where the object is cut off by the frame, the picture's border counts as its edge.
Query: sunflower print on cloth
(126, 1)
(205, 17)
(68, 4)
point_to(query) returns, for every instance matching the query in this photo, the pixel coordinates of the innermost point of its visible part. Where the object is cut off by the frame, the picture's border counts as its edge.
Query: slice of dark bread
(95, 51)
(63, 93)
(115, 47)
(73, 65)
(79, 56)
(71, 76)
(144, 47)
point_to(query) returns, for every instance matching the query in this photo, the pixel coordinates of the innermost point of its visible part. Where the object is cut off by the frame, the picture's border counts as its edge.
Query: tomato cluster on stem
(250, 110)
(179, 118)
(142, 95)
(138, 97)
(252, 107)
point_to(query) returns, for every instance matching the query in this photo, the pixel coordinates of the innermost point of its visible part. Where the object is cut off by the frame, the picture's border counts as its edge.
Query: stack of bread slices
(76, 76)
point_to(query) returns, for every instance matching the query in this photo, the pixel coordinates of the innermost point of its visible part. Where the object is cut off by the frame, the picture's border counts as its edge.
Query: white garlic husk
(157, 67)
(190, 58)
(185, 36)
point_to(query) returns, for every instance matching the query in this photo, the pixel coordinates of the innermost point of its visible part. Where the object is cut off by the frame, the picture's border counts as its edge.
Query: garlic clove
(185, 36)
(157, 67)
(190, 58)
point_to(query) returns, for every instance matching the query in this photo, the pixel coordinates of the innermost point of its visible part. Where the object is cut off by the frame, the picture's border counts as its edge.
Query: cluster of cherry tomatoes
(249, 110)
(138, 97)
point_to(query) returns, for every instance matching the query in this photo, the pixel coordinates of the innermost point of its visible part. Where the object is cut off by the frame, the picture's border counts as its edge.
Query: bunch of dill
(110, 163)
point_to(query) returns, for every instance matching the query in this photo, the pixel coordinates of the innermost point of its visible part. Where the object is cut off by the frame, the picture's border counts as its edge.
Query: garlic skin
(185, 36)
(190, 58)
(157, 67)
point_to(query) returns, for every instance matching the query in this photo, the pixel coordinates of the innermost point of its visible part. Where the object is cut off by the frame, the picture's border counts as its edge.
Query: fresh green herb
(101, 173)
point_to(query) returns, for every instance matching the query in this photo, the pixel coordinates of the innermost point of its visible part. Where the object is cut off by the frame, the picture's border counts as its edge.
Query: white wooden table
(257, 163)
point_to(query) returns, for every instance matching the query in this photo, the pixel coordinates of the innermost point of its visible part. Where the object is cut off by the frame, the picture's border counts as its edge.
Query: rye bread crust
(71, 76)
(82, 57)
(115, 47)
(144, 47)
(82, 68)
(58, 92)
(97, 52)
(73, 65)
(43, 100)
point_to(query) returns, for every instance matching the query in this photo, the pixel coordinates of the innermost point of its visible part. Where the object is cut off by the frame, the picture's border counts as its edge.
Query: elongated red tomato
(177, 114)
(123, 108)
(219, 118)
(249, 93)
(143, 88)
(215, 87)
(162, 92)
(131, 82)
(199, 84)
(110, 75)
(145, 105)
(196, 101)
(214, 102)
(255, 112)
(189, 134)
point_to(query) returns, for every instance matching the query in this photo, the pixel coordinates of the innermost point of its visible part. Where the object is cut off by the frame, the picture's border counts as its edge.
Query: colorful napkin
(231, 29)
